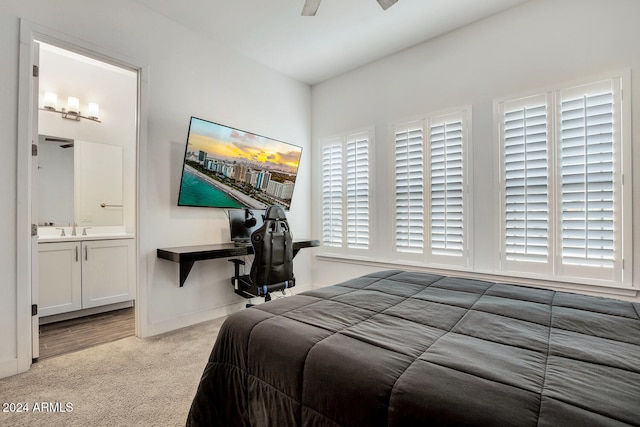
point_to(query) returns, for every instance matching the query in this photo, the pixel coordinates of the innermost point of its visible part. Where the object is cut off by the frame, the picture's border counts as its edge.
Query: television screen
(226, 167)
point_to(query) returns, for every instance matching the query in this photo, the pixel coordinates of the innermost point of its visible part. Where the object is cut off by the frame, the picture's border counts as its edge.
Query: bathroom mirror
(79, 182)
(55, 181)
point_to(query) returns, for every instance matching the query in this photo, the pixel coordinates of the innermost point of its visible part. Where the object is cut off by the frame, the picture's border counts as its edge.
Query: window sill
(615, 290)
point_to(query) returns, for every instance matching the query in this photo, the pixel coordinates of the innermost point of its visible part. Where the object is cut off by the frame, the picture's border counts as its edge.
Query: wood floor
(77, 334)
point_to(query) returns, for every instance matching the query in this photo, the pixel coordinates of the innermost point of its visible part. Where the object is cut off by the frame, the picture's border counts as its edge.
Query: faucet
(84, 230)
(73, 230)
(62, 232)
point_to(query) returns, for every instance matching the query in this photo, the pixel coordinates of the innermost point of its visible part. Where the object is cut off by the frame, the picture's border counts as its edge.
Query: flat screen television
(225, 167)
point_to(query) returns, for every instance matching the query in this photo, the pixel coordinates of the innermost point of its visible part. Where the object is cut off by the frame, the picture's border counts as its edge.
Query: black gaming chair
(272, 267)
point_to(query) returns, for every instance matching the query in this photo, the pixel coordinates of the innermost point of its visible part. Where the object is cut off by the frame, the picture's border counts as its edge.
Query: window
(430, 166)
(447, 220)
(345, 191)
(562, 183)
(588, 182)
(526, 180)
(332, 194)
(409, 188)
(357, 171)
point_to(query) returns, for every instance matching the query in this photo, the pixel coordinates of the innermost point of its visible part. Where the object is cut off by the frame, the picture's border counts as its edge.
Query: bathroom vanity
(89, 268)
(84, 271)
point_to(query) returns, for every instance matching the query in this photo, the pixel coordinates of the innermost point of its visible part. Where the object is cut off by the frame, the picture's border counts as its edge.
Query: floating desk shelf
(187, 255)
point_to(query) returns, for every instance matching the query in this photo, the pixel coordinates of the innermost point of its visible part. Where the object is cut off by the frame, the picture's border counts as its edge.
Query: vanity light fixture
(72, 112)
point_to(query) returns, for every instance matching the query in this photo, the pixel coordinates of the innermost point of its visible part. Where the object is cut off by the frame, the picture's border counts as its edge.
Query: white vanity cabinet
(85, 274)
(107, 272)
(60, 278)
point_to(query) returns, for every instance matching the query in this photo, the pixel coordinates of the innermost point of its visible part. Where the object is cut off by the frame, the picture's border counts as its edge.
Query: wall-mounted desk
(187, 255)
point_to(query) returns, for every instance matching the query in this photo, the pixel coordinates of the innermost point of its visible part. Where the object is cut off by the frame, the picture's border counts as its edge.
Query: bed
(399, 348)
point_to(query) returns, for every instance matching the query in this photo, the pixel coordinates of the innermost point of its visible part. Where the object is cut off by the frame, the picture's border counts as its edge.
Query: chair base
(243, 286)
(245, 294)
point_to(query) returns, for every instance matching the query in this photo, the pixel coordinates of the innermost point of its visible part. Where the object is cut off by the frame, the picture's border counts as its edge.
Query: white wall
(540, 44)
(183, 75)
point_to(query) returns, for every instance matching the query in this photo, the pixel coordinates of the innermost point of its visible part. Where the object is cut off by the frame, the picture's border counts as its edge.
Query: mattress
(399, 348)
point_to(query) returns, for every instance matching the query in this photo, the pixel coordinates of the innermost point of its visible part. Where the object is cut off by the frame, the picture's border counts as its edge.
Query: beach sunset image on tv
(226, 167)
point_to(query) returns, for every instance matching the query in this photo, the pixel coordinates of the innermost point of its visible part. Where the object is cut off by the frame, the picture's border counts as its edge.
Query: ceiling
(343, 35)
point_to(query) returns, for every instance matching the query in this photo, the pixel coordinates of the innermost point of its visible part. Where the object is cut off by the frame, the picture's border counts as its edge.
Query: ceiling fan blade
(310, 7)
(386, 4)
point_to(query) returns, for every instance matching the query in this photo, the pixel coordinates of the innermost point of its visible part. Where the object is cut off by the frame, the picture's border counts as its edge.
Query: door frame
(26, 259)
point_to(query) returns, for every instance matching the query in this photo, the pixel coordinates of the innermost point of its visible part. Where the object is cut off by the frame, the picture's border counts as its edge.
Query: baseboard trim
(193, 318)
(190, 319)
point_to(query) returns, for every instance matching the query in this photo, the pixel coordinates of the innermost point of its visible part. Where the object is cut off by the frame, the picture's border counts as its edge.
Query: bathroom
(84, 191)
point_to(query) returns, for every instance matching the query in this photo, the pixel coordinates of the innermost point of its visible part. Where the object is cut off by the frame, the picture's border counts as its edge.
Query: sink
(53, 234)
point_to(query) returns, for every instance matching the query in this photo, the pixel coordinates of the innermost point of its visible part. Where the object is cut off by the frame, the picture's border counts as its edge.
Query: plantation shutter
(526, 183)
(358, 192)
(587, 173)
(447, 192)
(332, 194)
(409, 189)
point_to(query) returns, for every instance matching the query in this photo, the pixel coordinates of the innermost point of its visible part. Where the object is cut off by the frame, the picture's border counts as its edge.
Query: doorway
(84, 281)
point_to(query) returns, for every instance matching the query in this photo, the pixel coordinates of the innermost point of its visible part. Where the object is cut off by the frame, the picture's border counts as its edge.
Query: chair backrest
(273, 249)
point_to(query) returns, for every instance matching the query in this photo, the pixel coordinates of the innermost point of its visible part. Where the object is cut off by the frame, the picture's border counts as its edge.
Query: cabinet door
(59, 274)
(108, 273)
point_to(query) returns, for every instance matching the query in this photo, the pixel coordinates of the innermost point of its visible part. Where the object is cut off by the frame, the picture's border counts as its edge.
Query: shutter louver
(358, 193)
(447, 191)
(587, 187)
(332, 195)
(409, 190)
(526, 184)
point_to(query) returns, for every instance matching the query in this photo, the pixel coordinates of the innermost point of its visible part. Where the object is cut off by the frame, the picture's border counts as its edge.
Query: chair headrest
(275, 212)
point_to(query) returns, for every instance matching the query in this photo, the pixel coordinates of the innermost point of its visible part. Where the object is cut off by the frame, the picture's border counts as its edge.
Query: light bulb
(50, 101)
(73, 105)
(94, 110)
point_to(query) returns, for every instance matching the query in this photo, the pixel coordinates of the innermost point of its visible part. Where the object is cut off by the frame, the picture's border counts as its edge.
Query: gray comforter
(410, 349)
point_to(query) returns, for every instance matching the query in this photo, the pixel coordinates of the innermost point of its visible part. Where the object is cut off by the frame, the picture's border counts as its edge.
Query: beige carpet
(130, 382)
